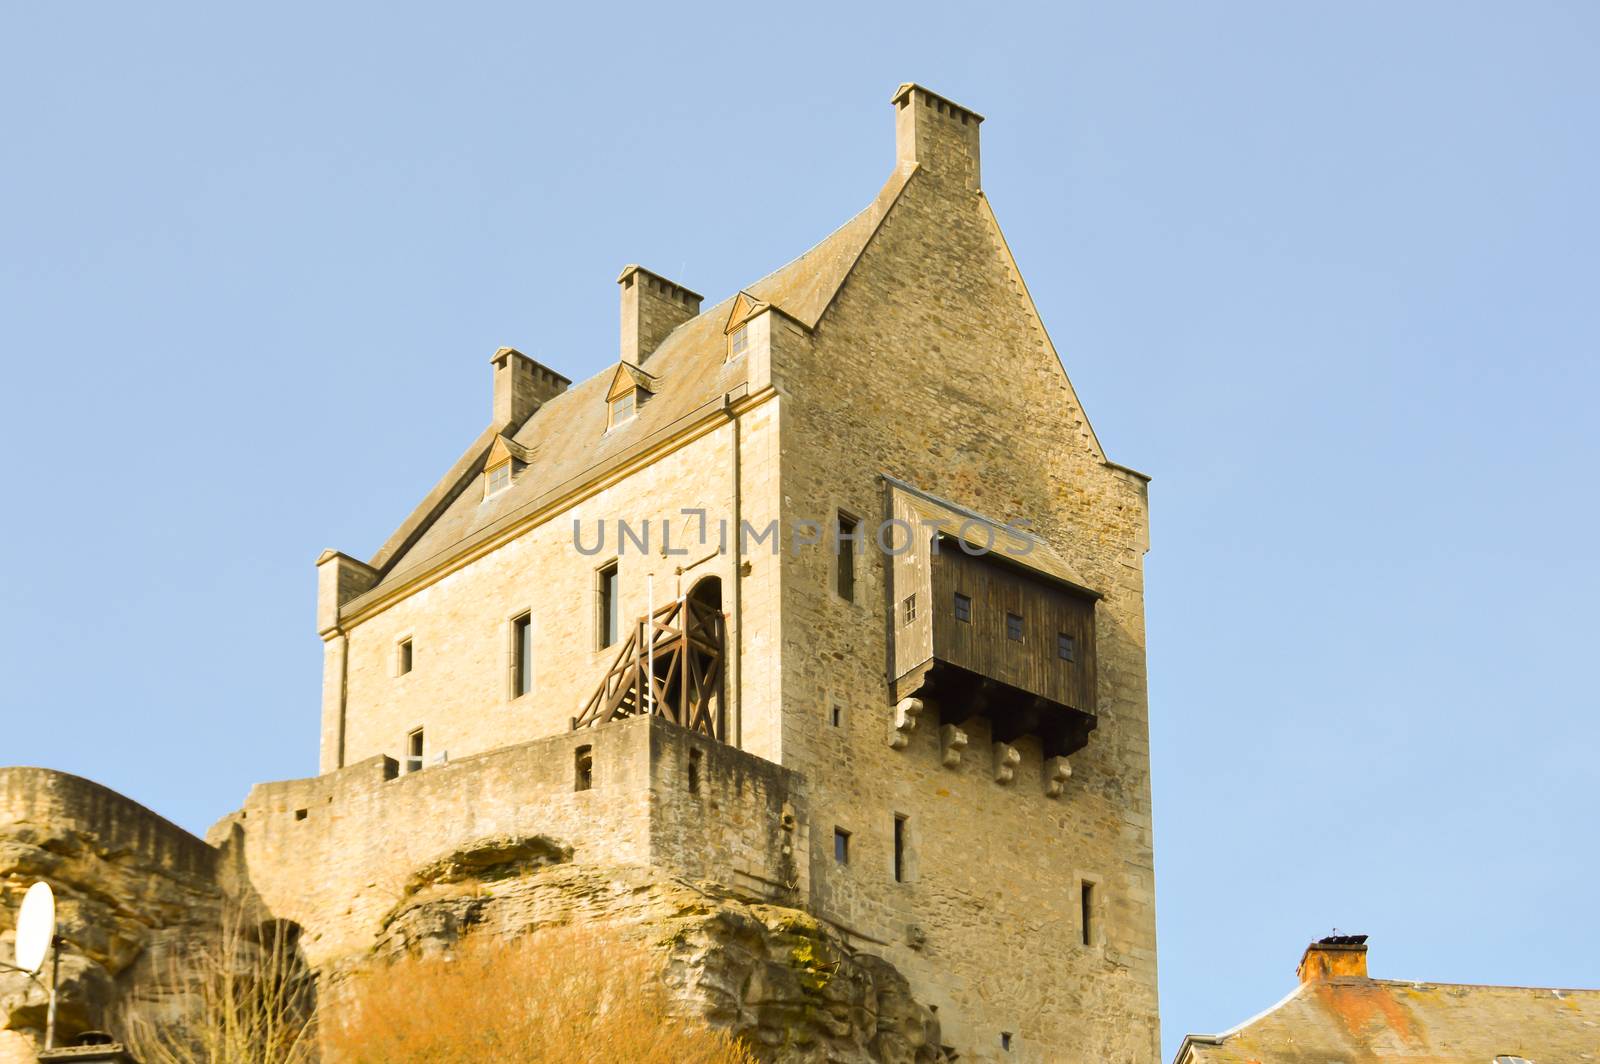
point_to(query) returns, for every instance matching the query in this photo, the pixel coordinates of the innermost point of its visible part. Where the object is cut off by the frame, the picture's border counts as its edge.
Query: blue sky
(1327, 272)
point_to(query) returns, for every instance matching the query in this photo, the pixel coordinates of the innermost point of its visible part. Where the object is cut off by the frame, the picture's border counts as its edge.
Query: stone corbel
(952, 740)
(1006, 760)
(906, 712)
(1057, 771)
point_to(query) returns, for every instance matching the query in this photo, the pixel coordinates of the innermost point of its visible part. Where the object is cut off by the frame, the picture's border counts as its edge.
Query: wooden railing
(671, 666)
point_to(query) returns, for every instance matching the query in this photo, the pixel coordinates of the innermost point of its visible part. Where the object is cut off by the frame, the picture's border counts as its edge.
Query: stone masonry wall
(932, 367)
(336, 853)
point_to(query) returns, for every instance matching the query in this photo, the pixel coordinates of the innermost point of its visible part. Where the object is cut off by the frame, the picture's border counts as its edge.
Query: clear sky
(1327, 272)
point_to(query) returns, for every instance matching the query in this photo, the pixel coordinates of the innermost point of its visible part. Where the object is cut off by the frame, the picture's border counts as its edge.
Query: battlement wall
(334, 853)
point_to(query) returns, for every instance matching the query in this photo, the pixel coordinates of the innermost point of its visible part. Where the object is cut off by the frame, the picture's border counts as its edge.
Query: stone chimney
(938, 135)
(1334, 957)
(521, 386)
(652, 307)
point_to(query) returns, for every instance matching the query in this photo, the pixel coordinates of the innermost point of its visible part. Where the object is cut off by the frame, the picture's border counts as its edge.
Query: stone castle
(823, 601)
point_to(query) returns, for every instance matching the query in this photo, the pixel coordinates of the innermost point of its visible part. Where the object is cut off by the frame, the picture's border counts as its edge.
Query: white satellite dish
(36, 927)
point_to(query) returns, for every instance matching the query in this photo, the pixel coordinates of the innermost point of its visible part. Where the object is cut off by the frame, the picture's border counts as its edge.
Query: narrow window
(695, 757)
(402, 658)
(899, 849)
(583, 768)
(498, 479)
(841, 846)
(521, 655)
(963, 608)
(1005, 1041)
(606, 616)
(1086, 914)
(1014, 627)
(1065, 650)
(739, 342)
(414, 746)
(836, 715)
(908, 609)
(846, 530)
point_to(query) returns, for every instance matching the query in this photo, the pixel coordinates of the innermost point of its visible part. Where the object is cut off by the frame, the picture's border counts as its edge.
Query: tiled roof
(568, 436)
(1332, 1021)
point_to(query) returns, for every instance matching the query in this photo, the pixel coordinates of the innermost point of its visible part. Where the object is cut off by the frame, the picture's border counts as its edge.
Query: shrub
(566, 995)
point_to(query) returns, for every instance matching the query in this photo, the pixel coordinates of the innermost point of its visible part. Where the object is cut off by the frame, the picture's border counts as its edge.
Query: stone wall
(931, 366)
(337, 853)
(128, 884)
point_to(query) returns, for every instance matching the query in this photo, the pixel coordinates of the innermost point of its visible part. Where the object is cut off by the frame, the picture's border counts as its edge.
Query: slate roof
(1349, 1020)
(568, 436)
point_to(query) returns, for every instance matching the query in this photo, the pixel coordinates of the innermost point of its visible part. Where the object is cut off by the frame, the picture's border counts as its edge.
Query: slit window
(696, 757)
(836, 715)
(841, 846)
(846, 530)
(908, 609)
(1005, 1041)
(583, 768)
(963, 608)
(521, 655)
(414, 748)
(606, 606)
(1086, 902)
(1014, 627)
(900, 849)
(402, 657)
(1066, 649)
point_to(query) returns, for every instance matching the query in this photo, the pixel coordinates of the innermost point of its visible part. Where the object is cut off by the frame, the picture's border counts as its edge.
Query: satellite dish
(36, 926)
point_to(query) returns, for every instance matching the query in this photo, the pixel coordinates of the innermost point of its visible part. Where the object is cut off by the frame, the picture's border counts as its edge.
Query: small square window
(841, 846)
(301, 814)
(1066, 650)
(908, 609)
(403, 657)
(963, 608)
(739, 342)
(1014, 627)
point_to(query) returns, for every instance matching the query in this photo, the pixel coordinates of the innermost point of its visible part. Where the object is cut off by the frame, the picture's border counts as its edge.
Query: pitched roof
(568, 434)
(1358, 1019)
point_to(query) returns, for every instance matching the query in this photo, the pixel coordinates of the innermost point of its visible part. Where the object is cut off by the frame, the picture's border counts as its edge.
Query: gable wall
(930, 367)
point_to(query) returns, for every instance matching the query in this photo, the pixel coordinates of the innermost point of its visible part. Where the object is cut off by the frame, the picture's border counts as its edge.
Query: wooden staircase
(671, 666)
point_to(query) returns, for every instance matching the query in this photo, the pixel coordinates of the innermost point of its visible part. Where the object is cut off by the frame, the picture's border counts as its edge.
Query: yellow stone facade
(905, 346)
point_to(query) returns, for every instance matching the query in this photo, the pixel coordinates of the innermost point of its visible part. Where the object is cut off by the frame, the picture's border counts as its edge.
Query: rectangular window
(402, 657)
(1086, 913)
(739, 342)
(606, 606)
(521, 655)
(1065, 650)
(695, 759)
(499, 478)
(1005, 1041)
(841, 846)
(836, 716)
(908, 609)
(900, 849)
(963, 608)
(1014, 627)
(414, 748)
(583, 768)
(622, 408)
(846, 530)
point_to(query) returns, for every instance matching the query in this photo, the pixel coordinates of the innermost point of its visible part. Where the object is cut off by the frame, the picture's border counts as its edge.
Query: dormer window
(623, 407)
(497, 479)
(739, 342)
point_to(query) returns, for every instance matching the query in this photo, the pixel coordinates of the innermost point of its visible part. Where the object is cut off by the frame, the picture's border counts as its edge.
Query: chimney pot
(1334, 957)
(521, 386)
(652, 307)
(940, 136)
